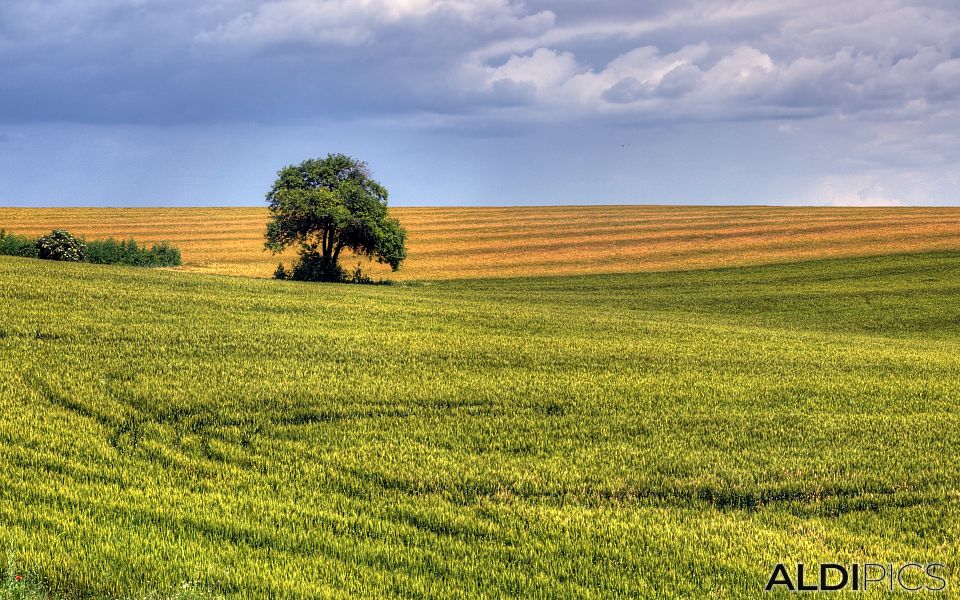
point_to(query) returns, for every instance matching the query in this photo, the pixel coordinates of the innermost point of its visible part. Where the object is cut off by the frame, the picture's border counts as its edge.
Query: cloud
(790, 60)
(356, 22)
(852, 191)
(873, 85)
(156, 62)
(745, 81)
(890, 187)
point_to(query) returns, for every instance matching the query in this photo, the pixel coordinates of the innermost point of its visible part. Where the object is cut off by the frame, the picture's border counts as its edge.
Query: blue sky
(193, 102)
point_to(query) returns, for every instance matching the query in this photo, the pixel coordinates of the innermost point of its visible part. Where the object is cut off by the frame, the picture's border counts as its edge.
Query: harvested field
(451, 243)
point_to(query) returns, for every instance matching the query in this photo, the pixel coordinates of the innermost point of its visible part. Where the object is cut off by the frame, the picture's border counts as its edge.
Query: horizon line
(480, 206)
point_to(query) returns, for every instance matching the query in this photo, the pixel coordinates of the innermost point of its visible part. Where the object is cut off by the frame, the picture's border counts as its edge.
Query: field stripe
(451, 243)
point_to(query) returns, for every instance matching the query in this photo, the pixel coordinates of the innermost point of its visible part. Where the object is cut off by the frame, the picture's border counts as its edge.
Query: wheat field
(649, 435)
(452, 243)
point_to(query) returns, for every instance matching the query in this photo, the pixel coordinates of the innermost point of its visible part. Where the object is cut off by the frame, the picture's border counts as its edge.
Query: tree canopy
(326, 205)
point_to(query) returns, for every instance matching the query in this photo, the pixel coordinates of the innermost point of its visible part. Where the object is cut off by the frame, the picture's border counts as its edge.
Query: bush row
(17, 245)
(61, 245)
(112, 252)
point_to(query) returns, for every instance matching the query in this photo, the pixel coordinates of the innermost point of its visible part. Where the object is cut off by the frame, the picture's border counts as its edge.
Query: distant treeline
(61, 245)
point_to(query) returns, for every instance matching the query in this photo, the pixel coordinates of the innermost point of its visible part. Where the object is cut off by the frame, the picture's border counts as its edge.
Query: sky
(483, 102)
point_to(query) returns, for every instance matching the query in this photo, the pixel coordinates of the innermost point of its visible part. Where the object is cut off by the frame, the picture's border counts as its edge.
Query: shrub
(112, 252)
(60, 245)
(104, 252)
(166, 255)
(134, 255)
(313, 266)
(17, 245)
(359, 277)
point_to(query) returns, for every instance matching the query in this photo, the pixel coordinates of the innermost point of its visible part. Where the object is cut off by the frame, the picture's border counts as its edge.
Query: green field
(646, 435)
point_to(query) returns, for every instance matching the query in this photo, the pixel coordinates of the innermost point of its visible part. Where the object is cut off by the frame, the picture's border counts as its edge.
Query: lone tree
(326, 205)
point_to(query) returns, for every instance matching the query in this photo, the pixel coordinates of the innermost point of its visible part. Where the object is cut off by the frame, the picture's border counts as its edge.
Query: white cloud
(354, 22)
(742, 82)
(795, 59)
(545, 69)
(890, 187)
(851, 190)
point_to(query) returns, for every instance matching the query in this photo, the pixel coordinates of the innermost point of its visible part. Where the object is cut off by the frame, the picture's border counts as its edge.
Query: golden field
(447, 243)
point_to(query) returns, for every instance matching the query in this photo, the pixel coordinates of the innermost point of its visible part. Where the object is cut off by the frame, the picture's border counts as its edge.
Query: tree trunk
(328, 237)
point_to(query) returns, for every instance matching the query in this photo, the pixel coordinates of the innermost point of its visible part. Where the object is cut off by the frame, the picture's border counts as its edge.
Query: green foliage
(128, 252)
(281, 272)
(166, 255)
(663, 435)
(325, 205)
(313, 266)
(16, 584)
(104, 252)
(17, 245)
(358, 276)
(60, 245)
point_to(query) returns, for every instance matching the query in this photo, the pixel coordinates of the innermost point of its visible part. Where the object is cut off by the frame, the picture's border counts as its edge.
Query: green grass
(653, 435)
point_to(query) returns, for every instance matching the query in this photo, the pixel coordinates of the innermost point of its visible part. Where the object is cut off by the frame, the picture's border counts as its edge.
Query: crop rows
(449, 243)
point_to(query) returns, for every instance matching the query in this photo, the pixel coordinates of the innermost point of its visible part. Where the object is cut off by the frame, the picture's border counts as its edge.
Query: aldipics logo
(861, 577)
